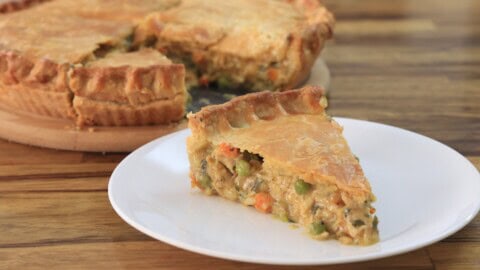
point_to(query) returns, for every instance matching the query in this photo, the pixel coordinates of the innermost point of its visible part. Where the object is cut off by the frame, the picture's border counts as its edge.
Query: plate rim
(330, 261)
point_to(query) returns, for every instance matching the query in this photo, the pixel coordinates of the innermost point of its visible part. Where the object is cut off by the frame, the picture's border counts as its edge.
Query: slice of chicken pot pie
(282, 154)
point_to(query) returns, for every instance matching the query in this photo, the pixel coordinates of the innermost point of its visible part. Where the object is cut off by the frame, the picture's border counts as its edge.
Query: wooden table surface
(413, 64)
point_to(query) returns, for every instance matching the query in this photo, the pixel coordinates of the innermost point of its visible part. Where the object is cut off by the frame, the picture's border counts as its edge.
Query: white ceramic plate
(426, 191)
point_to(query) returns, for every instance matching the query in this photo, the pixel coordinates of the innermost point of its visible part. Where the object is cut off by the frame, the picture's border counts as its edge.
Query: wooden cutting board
(62, 134)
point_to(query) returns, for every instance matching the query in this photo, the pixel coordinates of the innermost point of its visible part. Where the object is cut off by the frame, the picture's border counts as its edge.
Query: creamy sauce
(346, 218)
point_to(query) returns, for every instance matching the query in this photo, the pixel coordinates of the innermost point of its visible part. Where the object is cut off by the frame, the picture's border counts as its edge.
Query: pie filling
(324, 209)
(225, 72)
(228, 72)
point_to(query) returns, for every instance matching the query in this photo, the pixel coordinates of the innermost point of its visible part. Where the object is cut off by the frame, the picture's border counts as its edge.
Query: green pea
(302, 187)
(242, 167)
(279, 211)
(317, 228)
(205, 181)
(223, 82)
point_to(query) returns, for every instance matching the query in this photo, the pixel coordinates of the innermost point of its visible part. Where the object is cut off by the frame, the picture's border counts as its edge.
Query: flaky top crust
(69, 31)
(239, 112)
(40, 74)
(63, 39)
(290, 130)
(238, 27)
(116, 10)
(134, 78)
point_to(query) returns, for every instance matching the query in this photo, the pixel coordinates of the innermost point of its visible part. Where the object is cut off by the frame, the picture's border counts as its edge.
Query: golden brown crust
(128, 85)
(126, 89)
(57, 37)
(133, 85)
(91, 112)
(41, 74)
(307, 44)
(41, 87)
(111, 10)
(290, 130)
(31, 100)
(16, 5)
(287, 39)
(52, 43)
(34, 86)
(240, 111)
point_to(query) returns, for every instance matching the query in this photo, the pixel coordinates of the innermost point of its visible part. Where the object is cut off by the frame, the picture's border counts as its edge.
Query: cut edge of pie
(234, 50)
(281, 153)
(129, 88)
(39, 86)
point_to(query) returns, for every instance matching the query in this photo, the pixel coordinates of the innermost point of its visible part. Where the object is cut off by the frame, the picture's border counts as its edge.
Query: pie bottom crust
(47, 103)
(90, 112)
(93, 112)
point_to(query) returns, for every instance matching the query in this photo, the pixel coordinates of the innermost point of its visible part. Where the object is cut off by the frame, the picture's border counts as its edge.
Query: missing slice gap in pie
(282, 154)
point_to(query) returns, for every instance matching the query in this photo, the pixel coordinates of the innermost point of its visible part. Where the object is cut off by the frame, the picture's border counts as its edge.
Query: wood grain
(412, 64)
(47, 218)
(53, 184)
(19, 154)
(54, 133)
(157, 255)
(57, 170)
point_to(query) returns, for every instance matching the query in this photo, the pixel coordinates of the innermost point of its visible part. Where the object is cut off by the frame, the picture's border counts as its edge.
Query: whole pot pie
(125, 62)
(281, 153)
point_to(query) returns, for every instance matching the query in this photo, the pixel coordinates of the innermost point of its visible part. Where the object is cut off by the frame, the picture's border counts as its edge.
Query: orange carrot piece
(263, 202)
(272, 74)
(229, 151)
